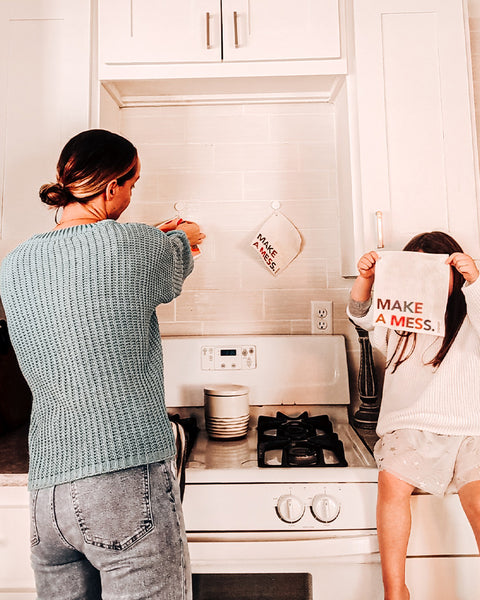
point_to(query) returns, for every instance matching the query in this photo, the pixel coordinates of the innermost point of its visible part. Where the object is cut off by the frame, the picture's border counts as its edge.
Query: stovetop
(291, 374)
(298, 441)
(237, 461)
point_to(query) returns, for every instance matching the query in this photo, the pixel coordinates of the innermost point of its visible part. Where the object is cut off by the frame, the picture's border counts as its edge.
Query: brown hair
(87, 163)
(435, 242)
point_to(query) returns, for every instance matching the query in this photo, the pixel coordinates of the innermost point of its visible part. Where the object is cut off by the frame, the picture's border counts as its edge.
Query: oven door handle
(258, 545)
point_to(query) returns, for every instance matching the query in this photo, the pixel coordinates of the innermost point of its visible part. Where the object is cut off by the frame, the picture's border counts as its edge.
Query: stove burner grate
(301, 441)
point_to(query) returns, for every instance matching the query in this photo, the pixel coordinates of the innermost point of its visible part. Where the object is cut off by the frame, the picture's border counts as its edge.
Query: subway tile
(217, 305)
(289, 304)
(241, 216)
(301, 327)
(475, 42)
(221, 274)
(300, 273)
(247, 328)
(321, 242)
(317, 156)
(282, 186)
(226, 128)
(317, 213)
(256, 157)
(185, 157)
(192, 186)
(166, 312)
(226, 180)
(160, 128)
(295, 304)
(302, 128)
(180, 328)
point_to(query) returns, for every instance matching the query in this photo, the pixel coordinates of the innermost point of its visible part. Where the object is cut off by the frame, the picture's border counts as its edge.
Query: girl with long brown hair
(429, 422)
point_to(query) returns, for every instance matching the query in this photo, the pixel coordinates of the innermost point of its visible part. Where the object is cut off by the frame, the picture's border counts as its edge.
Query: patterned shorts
(434, 463)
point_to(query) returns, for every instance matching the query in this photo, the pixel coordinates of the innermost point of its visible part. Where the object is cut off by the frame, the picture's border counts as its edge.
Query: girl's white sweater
(444, 400)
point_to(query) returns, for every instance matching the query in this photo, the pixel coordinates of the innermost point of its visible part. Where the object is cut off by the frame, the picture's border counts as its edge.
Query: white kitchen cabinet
(412, 133)
(145, 31)
(280, 30)
(16, 575)
(45, 83)
(148, 33)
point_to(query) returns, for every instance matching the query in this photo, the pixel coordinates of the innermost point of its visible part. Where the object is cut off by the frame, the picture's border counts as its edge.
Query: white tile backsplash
(225, 165)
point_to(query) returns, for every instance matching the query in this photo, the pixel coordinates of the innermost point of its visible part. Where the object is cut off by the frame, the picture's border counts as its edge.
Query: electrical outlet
(322, 316)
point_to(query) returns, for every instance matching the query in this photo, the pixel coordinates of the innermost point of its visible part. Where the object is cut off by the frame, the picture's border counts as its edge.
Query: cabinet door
(148, 31)
(280, 29)
(16, 575)
(417, 151)
(44, 78)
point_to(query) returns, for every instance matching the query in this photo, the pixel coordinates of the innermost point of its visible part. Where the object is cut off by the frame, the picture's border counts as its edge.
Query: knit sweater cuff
(359, 309)
(183, 259)
(471, 292)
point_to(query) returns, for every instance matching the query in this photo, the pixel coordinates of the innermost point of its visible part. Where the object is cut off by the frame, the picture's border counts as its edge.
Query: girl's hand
(194, 235)
(366, 265)
(464, 265)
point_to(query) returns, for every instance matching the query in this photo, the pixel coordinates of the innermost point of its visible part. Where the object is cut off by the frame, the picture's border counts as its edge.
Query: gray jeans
(118, 536)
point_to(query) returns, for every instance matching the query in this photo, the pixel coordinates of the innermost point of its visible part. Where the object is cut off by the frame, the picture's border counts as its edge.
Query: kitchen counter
(368, 437)
(14, 454)
(14, 457)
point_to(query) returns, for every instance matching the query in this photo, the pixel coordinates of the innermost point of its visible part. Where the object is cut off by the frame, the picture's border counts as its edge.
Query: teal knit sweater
(80, 305)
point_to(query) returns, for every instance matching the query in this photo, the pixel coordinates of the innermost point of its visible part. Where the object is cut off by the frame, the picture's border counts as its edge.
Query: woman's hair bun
(54, 194)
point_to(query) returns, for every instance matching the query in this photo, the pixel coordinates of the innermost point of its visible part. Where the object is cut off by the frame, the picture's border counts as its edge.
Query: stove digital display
(227, 352)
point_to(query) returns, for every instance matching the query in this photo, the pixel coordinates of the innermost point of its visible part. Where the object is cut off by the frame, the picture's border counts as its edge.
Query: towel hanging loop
(275, 205)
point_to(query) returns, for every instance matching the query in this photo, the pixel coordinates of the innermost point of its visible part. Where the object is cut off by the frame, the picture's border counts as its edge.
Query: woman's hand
(464, 265)
(192, 230)
(366, 265)
(194, 235)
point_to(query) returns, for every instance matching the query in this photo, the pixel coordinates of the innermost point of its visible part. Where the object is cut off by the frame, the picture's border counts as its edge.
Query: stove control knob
(290, 508)
(325, 508)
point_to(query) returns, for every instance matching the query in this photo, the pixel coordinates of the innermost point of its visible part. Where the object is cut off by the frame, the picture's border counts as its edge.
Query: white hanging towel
(411, 291)
(277, 243)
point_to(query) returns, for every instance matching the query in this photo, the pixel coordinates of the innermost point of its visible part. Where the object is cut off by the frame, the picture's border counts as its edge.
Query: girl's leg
(470, 498)
(393, 527)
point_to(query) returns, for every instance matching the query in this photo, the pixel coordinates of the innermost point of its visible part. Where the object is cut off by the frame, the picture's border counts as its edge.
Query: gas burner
(301, 441)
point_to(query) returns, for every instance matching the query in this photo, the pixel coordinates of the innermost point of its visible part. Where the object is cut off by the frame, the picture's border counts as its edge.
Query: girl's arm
(464, 265)
(471, 290)
(362, 287)
(359, 307)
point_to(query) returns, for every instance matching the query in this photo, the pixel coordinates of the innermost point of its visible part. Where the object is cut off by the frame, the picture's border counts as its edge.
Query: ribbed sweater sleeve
(80, 304)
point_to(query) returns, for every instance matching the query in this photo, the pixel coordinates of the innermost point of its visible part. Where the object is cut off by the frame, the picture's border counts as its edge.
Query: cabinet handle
(235, 28)
(207, 20)
(379, 219)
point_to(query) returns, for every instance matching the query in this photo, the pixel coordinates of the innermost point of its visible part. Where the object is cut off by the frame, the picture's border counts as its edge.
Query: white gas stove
(246, 511)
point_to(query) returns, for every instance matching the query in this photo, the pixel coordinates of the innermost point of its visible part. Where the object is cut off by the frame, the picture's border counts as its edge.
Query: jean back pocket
(113, 510)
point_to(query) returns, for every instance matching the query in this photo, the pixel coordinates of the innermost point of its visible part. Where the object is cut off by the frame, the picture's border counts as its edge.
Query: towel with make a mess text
(411, 291)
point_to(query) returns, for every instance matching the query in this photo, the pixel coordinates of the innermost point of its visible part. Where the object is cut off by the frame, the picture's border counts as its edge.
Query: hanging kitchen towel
(277, 243)
(411, 291)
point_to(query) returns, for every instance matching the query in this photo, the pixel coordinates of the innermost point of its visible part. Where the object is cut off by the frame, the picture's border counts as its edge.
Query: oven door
(286, 566)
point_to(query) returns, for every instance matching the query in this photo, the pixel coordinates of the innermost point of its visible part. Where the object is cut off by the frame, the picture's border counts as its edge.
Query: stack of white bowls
(227, 411)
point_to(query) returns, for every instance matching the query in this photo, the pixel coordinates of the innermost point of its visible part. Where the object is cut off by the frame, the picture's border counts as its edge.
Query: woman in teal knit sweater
(80, 301)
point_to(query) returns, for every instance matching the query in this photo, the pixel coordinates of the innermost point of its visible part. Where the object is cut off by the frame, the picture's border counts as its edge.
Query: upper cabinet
(45, 83)
(280, 30)
(148, 34)
(410, 107)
